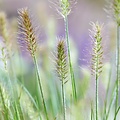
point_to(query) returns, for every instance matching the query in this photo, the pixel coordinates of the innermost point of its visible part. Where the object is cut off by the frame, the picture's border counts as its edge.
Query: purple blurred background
(82, 13)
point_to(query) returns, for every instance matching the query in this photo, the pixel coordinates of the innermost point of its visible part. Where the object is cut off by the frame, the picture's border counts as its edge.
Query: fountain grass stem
(74, 91)
(40, 86)
(63, 99)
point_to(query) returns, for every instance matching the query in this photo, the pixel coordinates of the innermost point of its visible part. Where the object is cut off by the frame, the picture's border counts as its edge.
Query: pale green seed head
(116, 7)
(65, 7)
(97, 55)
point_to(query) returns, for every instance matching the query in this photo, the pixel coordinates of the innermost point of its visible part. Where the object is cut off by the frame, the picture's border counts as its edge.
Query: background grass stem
(117, 67)
(74, 92)
(63, 99)
(96, 98)
(40, 86)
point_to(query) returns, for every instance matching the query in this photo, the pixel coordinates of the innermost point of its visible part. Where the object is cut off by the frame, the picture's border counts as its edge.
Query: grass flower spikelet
(3, 28)
(61, 61)
(62, 70)
(116, 8)
(65, 7)
(97, 56)
(97, 49)
(27, 30)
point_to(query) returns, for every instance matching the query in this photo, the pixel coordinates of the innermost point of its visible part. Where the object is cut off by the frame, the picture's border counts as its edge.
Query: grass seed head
(97, 54)
(61, 61)
(3, 26)
(113, 10)
(116, 8)
(65, 7)
(27, 31)
(4, 41)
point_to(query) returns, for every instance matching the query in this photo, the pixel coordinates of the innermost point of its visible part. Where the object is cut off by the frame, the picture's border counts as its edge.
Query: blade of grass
(118, 66)
(106, 97)
(4, 106)
(40, 86)
(111, 101)
(92, 113)
(117, 113)
(74, 91)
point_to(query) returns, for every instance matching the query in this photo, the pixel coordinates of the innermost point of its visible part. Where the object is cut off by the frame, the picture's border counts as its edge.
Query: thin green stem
(111, 102)
(96, 96)
(92, 112)
(117, 66)
(117, 113)
(40, 86)
(74, 92)
(63, 99)
(108, 86)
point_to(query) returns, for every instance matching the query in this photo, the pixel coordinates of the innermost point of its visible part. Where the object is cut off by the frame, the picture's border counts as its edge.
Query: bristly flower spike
(4, 42)
(28, 36)
(65, 7)
(3, 27)
(27, 30)
(97, 57)
(62, 70)
(61, 61)
(116, 9)
(97, 54)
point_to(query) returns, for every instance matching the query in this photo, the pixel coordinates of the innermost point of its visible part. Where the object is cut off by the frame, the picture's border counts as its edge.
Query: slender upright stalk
(62, 70)
(106, 96)
(40, 86)
(96, 84)
(117, 113)
(111, 101)
(63, 99)
(74, 92)
(29, 37)
(96, 58)
(117, 66)
(96, 97)
(92, 113)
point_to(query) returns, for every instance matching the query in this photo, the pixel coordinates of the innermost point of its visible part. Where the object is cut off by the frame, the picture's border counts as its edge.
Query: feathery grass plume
(28, 36)
(65, 7)
(4, 39)
(4, 56)
(61, 61)
(62, 70)
(113, 10)
(3, 26)
(116, 9)
(97, 56)
(27, 31)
